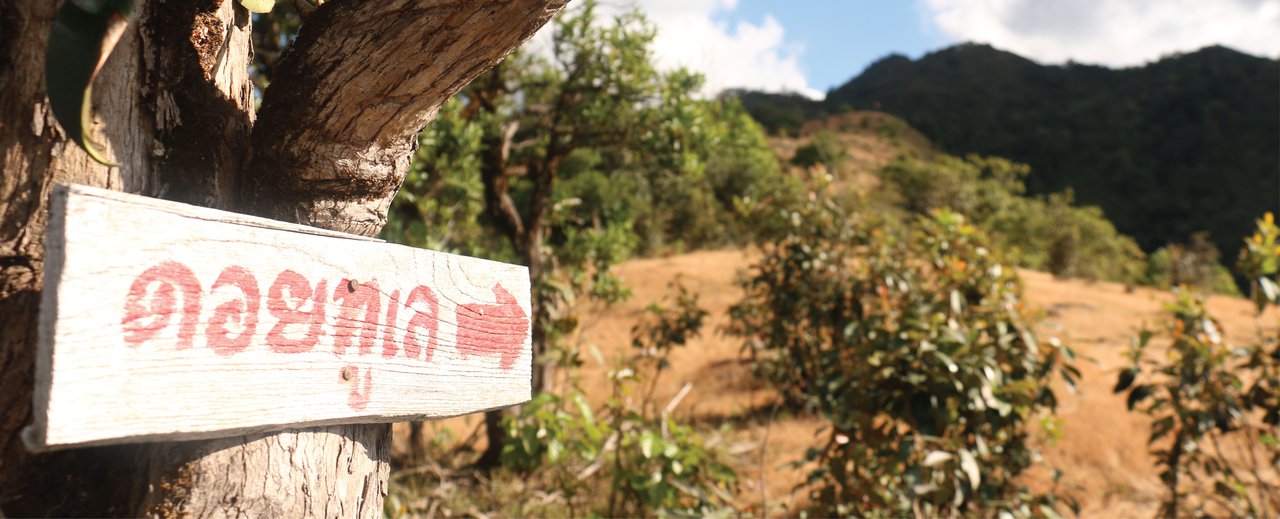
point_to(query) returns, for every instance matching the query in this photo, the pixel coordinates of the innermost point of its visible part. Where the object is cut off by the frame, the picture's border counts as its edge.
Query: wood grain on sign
(162, 320)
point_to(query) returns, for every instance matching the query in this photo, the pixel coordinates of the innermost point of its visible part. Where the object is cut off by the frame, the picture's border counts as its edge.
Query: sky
(812, 46)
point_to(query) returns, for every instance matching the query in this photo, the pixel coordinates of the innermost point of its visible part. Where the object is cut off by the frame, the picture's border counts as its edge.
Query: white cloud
(1109, 32)
(744, 55)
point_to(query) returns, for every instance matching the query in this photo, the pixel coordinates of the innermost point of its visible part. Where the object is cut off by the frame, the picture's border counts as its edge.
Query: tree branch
(337, 127)
(497, 185)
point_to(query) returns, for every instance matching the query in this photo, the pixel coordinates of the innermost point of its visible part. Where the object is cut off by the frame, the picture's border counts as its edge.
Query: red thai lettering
(389, 347)
(137, 329)
(354, 297)
(427, 321)
(291, 313)
(358, 398)
(299, 310)
(243, 311)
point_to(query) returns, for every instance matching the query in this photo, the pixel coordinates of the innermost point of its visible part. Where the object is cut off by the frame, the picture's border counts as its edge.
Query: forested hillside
(1185, 144)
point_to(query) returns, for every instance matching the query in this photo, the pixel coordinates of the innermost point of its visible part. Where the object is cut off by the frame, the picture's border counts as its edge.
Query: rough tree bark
(330, 148)
(152, 77)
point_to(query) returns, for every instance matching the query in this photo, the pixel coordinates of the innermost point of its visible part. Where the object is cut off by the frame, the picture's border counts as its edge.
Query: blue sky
(839, 38)
(811, 46)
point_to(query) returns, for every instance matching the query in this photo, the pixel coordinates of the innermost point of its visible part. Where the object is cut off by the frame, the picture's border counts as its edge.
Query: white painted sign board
(165, 321)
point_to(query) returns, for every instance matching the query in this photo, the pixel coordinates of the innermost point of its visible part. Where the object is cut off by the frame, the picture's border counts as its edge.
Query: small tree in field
(917, 351)
(1215, 407)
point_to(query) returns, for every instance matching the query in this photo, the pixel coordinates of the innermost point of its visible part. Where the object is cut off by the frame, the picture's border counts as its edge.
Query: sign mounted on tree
(165, 321)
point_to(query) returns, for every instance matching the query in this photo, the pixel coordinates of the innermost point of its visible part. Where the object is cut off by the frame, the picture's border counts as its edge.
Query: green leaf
(646, 444)
(970, 468)
(258, 6)
(936, 458)
(555, 450)
(1125, 380)
(584, 409)
(1270, 293)
(83, 35)
(946, 359)
(1138, 394)
(1160, 428)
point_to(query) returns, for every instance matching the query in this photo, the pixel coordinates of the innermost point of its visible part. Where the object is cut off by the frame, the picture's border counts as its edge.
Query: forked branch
(338, 124)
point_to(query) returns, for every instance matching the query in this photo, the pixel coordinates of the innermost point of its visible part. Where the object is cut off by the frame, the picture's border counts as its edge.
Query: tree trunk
(174, 107)
(525, 233)
(163, 108)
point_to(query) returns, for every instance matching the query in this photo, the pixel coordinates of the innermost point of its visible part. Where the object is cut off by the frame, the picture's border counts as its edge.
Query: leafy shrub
(1077, 242)
(1206, 397)
(976, 187)
(648, 462)
(1194, 265)
(1260, 262)
(563, 458)
(918, 352)
(822, 149)
(1198, 399)
(1048, 233)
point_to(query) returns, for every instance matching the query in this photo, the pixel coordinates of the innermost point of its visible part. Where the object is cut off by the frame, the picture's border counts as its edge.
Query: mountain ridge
(1187, 143)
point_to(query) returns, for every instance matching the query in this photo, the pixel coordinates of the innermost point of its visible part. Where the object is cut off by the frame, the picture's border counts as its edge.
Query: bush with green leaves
(917, 351)
(1195, 265)
(1199, 399)
(1214, 406)
(1259, 262)
(629, 457)
(1049, 233)
(824, 149)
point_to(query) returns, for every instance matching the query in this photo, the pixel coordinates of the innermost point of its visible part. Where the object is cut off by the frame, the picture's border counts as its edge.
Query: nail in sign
(167, 321)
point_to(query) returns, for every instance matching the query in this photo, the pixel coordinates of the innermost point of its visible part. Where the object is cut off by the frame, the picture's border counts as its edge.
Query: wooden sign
(161, 320)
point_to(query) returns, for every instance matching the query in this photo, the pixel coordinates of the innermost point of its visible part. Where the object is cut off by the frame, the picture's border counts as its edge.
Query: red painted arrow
(493, 329)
